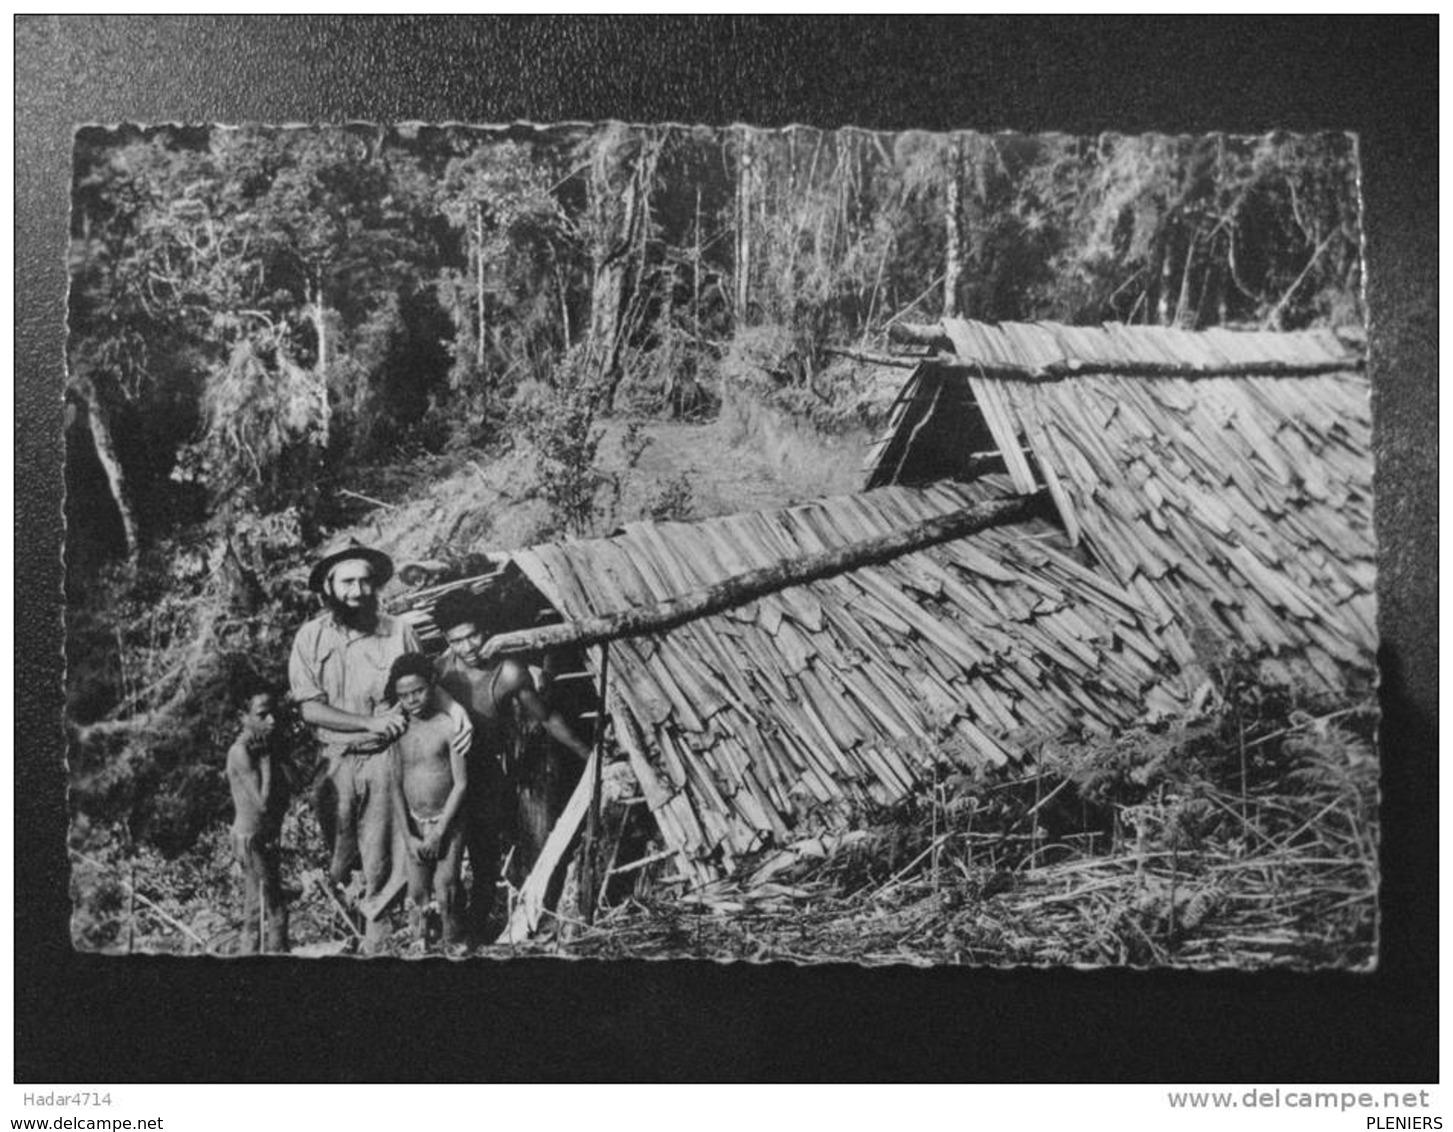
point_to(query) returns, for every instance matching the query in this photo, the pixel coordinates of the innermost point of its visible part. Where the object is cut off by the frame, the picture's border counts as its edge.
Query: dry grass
(1194, 873)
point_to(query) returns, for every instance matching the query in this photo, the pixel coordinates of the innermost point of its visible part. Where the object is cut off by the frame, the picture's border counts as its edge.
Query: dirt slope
(740, 462)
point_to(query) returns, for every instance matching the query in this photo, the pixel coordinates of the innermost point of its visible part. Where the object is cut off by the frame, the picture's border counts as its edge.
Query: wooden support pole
(592, 826)
(531, 906)
(742, 588)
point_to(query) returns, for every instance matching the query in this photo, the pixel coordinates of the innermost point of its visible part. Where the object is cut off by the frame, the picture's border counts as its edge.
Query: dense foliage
(254, 308)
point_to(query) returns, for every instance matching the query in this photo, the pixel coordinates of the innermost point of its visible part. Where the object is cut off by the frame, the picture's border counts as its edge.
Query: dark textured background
(86, 1018)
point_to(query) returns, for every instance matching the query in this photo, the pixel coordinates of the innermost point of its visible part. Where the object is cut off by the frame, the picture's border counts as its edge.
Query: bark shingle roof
(1224, 477)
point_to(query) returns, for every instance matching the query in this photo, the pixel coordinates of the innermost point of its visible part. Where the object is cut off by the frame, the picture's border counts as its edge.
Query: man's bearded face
(350, 592)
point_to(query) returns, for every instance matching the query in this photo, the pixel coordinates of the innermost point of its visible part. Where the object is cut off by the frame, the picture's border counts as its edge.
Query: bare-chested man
(430, 779)
(490, 692)
(338, 671)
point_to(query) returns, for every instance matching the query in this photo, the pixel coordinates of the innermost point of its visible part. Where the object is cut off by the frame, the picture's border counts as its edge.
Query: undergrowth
(1232, 843)
(1245, 844)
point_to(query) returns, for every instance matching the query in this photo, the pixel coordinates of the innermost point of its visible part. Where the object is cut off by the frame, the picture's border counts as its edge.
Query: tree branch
(1275, 316)
(873, 359)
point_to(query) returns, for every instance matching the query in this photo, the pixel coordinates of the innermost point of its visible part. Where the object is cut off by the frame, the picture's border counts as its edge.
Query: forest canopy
(254, 307)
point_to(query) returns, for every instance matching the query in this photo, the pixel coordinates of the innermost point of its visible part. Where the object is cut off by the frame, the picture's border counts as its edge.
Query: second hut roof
(1224, 477)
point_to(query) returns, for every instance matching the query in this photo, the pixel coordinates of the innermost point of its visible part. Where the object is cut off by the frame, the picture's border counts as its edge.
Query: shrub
(559, 421)
(672, 500)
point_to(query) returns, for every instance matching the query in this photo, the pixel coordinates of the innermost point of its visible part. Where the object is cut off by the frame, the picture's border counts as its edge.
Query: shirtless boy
(430, 779)
(259, 796)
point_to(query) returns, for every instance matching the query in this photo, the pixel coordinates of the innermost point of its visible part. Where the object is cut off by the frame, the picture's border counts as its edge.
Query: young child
(430, 781)
(259, 797)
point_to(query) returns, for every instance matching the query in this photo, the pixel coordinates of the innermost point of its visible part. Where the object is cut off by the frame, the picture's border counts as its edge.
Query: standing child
(430, 780)
(259, 797)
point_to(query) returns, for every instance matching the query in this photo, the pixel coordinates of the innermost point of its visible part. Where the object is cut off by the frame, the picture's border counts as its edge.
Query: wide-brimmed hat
(383, 566)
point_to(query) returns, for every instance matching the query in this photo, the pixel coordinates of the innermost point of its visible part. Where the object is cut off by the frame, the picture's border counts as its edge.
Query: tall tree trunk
(564, 293)
(1163, 309)
(744, 225)
(607, 298)
(1220, 293)
(479, 289)
(242, 591)
(696, 273)
(318, 314)
(98, 418)
(672, 395)
(954, 244)
(1185, 314)
(618, 263)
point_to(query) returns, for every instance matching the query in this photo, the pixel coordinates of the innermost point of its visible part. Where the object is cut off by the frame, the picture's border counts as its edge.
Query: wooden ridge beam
(1060, 371)
(753, 584)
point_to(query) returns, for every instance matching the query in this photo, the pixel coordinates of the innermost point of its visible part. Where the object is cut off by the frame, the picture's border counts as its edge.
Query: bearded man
(338, 673)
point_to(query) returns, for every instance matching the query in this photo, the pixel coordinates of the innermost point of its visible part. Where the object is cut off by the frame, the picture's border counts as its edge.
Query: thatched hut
(1195, 497)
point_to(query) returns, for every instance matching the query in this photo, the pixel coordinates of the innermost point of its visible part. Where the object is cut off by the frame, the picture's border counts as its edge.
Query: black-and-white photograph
(629, 541)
